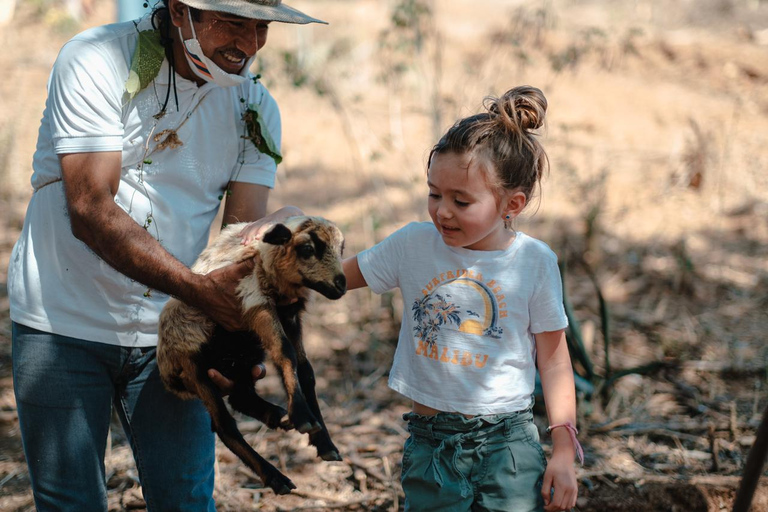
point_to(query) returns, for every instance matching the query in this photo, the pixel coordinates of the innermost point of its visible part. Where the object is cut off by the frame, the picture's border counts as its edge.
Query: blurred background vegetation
(657, 205)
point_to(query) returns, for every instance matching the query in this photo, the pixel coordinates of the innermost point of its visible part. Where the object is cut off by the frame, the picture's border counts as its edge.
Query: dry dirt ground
(657, 197)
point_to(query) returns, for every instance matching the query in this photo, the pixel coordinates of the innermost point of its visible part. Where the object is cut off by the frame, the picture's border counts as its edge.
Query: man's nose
(247, 41)
(248, 44)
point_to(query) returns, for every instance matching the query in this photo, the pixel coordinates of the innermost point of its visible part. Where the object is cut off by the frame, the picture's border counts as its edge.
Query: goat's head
(307, 252)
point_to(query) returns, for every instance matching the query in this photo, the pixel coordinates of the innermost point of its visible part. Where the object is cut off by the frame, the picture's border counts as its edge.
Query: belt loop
(429, 430)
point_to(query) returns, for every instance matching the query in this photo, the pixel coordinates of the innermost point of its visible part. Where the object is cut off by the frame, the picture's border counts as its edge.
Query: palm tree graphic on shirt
(437, 310)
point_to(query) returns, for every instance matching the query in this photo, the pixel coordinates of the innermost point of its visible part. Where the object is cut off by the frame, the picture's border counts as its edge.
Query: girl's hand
(561, 476)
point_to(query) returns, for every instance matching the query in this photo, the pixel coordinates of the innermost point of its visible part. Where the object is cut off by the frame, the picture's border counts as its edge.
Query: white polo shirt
(56, 283)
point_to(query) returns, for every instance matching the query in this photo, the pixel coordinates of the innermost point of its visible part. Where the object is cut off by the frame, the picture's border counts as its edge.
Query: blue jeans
(491, 463)
(65, 390)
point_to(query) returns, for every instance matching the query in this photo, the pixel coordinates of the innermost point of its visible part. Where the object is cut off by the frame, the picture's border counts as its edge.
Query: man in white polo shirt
(147, 126)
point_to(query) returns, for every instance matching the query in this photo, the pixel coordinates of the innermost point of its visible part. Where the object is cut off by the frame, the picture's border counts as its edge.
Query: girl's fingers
(565, 500)
(546, 491)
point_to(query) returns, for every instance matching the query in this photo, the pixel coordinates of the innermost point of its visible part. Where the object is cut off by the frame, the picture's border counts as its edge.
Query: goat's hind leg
(226, 428)
(234, 354)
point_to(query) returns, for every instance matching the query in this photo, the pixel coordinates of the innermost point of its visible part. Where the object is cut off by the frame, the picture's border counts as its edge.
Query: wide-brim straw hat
(266, 10)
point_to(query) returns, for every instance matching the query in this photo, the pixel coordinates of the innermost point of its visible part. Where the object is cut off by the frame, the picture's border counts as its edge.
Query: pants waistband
(444, 425)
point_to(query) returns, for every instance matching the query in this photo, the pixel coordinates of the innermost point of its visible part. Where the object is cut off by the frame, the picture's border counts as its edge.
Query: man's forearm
(128, 248)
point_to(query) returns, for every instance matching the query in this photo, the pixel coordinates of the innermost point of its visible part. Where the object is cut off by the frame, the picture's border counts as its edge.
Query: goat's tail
(225, 427)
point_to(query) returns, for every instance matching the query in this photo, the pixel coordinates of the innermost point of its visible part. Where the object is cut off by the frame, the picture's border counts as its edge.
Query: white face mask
(204, 67)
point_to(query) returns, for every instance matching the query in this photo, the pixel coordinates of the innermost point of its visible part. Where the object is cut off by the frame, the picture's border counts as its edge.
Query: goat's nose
(341, 282)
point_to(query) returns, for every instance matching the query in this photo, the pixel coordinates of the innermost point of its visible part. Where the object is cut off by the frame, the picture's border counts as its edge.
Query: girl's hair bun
(520, 109)
(505, 137)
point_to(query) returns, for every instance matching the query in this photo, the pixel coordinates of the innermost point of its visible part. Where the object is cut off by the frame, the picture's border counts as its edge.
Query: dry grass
(657, 115)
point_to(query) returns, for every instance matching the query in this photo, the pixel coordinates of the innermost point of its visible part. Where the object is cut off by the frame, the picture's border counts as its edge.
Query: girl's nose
(444, 212)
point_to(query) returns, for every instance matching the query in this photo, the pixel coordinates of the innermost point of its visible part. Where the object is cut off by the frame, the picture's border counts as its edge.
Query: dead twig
(326, 506)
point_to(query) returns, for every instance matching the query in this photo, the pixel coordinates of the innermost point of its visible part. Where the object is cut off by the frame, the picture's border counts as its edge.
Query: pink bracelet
(571, 430)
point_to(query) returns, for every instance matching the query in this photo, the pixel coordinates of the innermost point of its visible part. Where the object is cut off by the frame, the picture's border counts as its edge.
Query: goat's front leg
(265, 323)
(291, 322)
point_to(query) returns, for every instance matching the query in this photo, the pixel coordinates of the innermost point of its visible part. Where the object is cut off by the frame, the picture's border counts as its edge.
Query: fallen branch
(357, 462)
(326, 506)
(677, 427)
(753, 468)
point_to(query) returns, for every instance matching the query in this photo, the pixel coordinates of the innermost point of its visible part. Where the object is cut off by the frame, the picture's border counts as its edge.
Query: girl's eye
(462, 204)
(433, 195)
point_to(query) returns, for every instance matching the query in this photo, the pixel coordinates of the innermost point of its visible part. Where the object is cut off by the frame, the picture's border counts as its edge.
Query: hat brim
(250, 9)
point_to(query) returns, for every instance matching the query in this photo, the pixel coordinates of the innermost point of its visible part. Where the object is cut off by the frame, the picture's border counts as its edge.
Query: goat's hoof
(331, 456)
(286, 424)
(309, 428)
(281, 484)
(277, 419)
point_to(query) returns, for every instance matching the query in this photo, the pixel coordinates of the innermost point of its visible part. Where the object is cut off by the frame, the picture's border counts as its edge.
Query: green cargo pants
(489, 463)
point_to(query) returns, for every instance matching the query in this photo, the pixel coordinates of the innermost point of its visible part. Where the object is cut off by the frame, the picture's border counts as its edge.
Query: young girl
(482, 308)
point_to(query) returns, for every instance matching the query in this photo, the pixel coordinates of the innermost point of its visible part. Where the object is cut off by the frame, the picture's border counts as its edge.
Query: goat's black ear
(278, 234)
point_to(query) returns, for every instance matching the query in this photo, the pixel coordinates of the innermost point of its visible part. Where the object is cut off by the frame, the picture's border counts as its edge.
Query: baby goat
(293, 257)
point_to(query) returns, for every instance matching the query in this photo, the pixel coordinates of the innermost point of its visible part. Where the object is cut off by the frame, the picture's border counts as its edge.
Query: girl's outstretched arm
(560, 397)
(352, 272)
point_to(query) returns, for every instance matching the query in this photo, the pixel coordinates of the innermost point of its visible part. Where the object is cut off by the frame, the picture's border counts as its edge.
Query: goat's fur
(300, 254)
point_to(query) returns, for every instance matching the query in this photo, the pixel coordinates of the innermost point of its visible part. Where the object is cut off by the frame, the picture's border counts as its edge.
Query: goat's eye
(305, 251)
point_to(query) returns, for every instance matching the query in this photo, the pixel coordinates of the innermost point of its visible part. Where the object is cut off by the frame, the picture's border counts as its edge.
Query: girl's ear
(514, 204)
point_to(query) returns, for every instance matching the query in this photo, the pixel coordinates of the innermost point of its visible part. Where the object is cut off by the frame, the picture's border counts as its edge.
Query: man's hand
(255, 230)
(258, 372)
(218, 296)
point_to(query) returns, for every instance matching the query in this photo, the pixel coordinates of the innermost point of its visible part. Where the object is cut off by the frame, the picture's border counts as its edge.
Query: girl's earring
(507, 217)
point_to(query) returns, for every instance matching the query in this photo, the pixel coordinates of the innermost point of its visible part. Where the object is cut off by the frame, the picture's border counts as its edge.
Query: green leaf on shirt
(146, 62)
(258, 133)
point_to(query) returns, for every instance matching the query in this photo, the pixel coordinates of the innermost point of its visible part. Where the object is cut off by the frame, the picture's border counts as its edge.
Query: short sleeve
(84, 98)
(380, 265)
(546, 307)
(255, 166)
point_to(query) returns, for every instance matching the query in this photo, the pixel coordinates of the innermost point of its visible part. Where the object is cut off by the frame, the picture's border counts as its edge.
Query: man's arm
(247, 203)
(90, 184)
